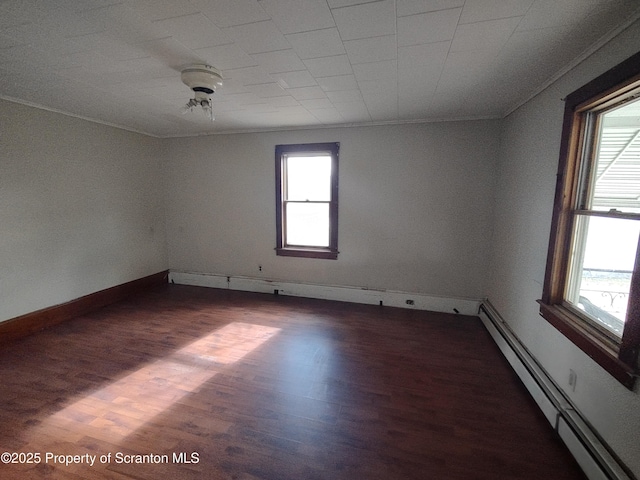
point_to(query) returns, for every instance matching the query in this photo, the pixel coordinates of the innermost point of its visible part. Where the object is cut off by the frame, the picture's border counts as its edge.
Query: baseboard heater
(595, 459)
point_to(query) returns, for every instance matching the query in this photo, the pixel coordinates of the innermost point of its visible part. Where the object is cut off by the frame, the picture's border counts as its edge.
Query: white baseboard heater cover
(584, 444)
(390, 298)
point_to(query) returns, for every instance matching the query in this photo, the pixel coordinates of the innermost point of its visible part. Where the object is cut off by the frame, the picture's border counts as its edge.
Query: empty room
(319, 239)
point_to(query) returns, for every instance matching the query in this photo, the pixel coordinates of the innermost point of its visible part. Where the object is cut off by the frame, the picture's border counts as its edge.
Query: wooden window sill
(600, 348)
(307, 252)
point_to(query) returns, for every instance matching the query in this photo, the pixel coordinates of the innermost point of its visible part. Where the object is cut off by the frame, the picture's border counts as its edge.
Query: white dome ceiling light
(203, 80)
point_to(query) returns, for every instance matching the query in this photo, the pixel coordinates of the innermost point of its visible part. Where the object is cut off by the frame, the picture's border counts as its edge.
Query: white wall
(414, 215)
(524, 201)
(81, 208)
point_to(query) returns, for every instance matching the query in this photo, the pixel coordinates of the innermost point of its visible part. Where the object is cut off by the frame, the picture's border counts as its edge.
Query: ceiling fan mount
(203, 80)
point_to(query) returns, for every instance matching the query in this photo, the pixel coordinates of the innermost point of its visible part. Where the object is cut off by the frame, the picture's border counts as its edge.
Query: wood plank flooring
(215, 384)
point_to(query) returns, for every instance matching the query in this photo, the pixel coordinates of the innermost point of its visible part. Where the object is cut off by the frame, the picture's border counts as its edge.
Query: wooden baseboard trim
(30, 323)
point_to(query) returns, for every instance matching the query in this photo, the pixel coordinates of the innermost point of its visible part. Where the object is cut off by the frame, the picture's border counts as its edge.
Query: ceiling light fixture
(203, 80)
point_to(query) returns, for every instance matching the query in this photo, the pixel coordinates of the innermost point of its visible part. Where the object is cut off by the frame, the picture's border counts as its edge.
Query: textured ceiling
(293, 63)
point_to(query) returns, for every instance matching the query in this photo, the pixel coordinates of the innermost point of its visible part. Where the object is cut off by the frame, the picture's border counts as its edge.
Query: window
(307, 200)
(592, 282)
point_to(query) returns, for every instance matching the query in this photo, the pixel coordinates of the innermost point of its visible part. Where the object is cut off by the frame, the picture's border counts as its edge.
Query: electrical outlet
(573, 379)
(259, 268)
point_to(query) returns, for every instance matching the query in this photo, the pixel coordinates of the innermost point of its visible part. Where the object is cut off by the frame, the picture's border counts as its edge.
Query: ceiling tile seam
(428, 43)
(519, 23)
(356, 5)
(270, 19)
(395, 34)
(322, 56)
(226, 44)
(284, 36)
(443, 54)
(504, 45)
(99, 7)
(397, 95)
(271, 51)
(336, 76)
(164, 19)
(428, 12)
(222, 70)
(336, 25)
(274, 80)
(368, 37)
(316, 117)
(80, 35)
(173, 37)
(497, 54)
(158, 20)
(313, 30)
(349, 60)
(260, 83)
(443, 63)
(590, 50)
(491, 20)
(227, 27)
(74, 115)
(387, 60)
(255, 22)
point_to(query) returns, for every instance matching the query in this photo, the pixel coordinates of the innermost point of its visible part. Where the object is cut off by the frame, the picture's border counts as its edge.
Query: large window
(592, 283)
(307, 200)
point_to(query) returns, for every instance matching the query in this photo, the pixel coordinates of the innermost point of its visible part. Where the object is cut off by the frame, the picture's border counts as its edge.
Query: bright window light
(306, 190)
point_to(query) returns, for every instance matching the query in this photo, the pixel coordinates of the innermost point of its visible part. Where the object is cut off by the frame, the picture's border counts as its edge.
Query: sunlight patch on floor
(117, 410)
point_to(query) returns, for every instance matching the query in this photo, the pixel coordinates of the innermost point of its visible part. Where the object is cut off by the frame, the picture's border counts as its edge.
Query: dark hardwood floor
(249, 386)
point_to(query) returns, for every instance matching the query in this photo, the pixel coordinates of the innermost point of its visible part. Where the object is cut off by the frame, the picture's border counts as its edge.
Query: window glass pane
(616, 176)
(308, 178)
(307, 224)
(603, 257)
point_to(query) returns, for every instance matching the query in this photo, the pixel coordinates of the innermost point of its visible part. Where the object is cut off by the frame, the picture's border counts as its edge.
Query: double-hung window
(592, 283)
(307, 200)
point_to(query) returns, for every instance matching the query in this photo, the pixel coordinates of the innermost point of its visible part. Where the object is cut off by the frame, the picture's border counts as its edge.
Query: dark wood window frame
(618, 356)
(284, 249)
